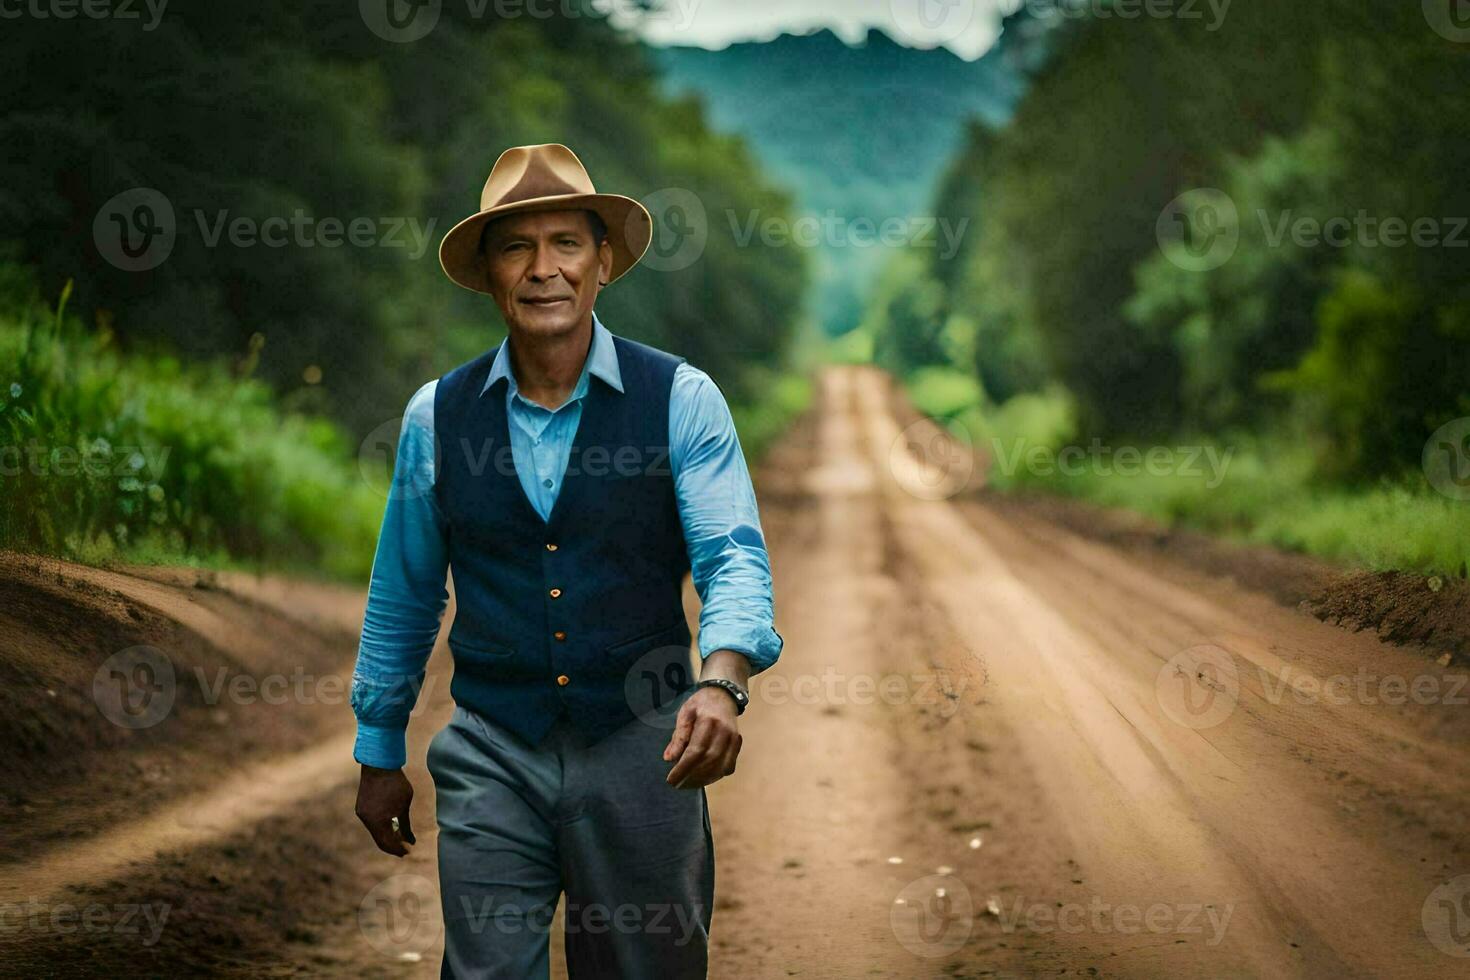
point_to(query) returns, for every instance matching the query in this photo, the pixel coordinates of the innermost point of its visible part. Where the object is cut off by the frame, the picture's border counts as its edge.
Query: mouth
(544, 303)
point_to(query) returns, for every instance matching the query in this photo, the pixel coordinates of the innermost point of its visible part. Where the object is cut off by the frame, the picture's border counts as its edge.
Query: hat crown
(526, 173)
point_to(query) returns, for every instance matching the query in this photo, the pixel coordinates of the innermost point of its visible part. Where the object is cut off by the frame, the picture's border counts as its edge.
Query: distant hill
(864, 131)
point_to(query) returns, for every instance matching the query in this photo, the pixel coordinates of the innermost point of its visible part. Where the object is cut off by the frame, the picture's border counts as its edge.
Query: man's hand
(706, 740)
(382, 795)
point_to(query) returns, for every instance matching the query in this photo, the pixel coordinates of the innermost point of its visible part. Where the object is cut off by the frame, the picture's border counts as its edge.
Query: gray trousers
(520, 824)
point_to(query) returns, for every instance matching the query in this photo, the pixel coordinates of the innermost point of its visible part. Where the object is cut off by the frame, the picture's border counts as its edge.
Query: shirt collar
(602, 361)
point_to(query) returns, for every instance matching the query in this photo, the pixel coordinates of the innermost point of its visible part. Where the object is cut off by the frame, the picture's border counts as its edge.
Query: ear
(604, 262)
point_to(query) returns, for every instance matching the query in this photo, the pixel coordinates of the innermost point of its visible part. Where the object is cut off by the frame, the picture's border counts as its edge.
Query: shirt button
(563, 680)
(546, 484)
(550, 546)
(560, 634)
(555, 593)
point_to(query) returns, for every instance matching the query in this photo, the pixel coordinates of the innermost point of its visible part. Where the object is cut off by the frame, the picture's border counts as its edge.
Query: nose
(543, 266)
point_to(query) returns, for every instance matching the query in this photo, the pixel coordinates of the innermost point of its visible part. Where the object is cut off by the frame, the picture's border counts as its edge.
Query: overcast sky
(966, 27)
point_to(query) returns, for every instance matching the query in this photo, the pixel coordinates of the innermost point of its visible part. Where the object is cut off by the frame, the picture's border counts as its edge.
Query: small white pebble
(895, 860)
(993, 906)
(939, 892)
(410, 957)
(899, 901)
(974, 843)
(944, 869)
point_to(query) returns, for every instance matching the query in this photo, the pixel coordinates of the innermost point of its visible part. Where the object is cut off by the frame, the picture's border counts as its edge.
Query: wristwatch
(736, 691)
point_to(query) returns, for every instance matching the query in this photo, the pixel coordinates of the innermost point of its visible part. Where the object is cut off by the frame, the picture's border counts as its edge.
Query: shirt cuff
(761, 646)
(381, 747)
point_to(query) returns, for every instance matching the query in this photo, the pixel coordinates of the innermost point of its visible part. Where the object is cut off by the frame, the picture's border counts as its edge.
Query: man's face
(545, 270)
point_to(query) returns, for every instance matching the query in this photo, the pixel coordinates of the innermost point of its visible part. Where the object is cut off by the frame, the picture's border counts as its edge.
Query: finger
(732, 755)
(721, 759)
(710, 741)
(405, 824)
(385, 838)
(692, 756)
(683, 726)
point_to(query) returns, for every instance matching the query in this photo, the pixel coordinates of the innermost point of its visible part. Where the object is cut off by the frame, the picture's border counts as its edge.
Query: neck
(547, 367)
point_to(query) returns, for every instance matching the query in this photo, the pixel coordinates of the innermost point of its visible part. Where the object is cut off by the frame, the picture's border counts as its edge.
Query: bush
(106, 455)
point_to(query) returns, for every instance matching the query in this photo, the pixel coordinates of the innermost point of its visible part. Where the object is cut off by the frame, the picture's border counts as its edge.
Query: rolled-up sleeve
(717, 508)
(406, 597)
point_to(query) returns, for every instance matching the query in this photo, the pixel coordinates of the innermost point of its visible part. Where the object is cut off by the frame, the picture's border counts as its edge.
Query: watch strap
(738, 693)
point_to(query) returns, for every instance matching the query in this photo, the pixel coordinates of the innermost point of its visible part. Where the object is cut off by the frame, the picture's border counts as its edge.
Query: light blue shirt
(717, 510)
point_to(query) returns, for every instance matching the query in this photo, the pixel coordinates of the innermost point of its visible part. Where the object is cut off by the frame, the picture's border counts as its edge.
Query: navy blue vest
(578, 613)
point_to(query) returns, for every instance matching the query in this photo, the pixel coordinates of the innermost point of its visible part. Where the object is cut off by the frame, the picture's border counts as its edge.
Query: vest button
(560, 634)
(555, 593)
(550, 546)
(563, 680)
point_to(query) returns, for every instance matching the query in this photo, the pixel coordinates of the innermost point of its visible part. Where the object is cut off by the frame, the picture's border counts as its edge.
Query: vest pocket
(663, 636)
(479, 648)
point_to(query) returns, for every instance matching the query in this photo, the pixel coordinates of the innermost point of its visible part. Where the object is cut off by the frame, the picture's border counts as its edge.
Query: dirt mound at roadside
(225, 675)
(1401, 607)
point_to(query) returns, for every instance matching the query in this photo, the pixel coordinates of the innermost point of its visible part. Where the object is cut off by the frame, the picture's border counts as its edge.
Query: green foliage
(1251, 489)
(907, 316)
(761, 421)
(266, 109)
(1351, 375)
(1319, 336)
(944, 393)
(108, 455)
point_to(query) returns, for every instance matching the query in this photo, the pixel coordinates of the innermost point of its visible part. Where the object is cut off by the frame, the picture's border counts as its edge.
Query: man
(568, 478)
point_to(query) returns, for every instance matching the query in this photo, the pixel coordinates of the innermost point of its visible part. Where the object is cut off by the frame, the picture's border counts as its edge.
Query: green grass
(1245, 488)
(108, 457)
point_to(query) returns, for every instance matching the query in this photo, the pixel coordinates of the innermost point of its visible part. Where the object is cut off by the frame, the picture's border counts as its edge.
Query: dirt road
(991, 747)
(1167, 776)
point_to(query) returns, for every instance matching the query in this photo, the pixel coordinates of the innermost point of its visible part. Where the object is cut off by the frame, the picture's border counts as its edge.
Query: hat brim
(629, 232)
